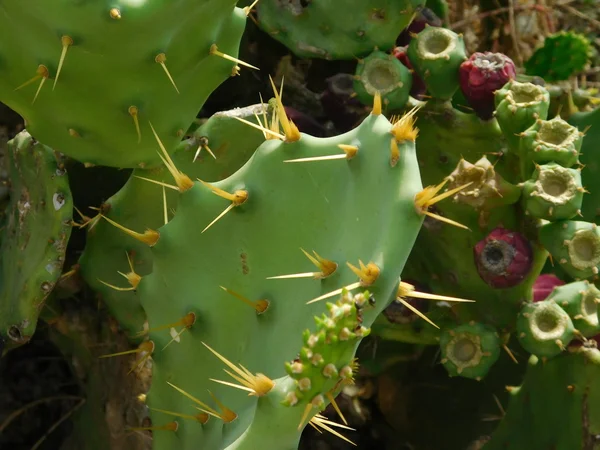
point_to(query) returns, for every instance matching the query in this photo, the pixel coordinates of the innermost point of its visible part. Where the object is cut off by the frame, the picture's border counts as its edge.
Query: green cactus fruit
(544, 329)
(575, 245)
(469, 350)
(34, 237)
(570, 421)
(90, 77)
(436, 55)
(518, 107)
(563, 55)
(140, 205)
(590, 158)
(580, 300)
(487, 189)
(553, 193)
(336, 29)
(551, 141)
(213, 269)
(383, 73)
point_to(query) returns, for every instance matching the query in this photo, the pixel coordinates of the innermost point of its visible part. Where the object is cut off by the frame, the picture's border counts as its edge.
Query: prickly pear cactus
(112, 262)
(86, 87)
(336, 29)
(563, 55)
(218, 290)
(34, 236)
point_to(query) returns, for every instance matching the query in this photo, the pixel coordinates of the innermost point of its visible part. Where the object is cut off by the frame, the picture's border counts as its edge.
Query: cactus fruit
(580, 300)
(34, 237)
(436, 55)
(563, 55)
(544, 329)
(383, 73)
(551, 141)
(503, 258)
(214, 151)
(481, 76)
(469, 350)
(572, 421)
(544, 285)
(553, 193)
(86, 87)
(418, 87)
(336, 29)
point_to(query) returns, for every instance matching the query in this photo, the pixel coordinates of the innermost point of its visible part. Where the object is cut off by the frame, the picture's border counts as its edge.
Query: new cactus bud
(518, 106)
(580, 300)
(487, 189)
(503, 258)
(469, 350)
(544, 328)
(481, 76)
(551, 141)
(436, 54)
(575, 245)
(383, 73)
(544, 285)
(553, 193)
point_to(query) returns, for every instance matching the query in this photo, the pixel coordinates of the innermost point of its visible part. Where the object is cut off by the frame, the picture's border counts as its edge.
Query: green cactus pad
(544, 328)
(553, 193)
(557, 406)
(563, 55)
(345, 210)
(488, 189)
(139, 205)
(469, 350)
(383, 73)
(34, 238)
(114, 70)
(436, 55)
(580, 300)
(575, 245)
(590, 158)
(518, 107)
(336, 29)
(551, 141)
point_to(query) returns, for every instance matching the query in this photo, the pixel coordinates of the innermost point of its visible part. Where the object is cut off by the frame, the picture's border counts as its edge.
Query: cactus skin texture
(351, 210)
(34, 238)
(105, 254)
(336, 29)
(563, 55)
(109, 80)
(573, 419)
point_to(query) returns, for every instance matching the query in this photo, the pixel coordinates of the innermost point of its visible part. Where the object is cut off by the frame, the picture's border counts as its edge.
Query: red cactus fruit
(418, 85)
(482, 75)
(503, 258)
(544, 285)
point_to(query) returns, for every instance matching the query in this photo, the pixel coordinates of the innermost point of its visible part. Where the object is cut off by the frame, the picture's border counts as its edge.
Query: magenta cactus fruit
(503, 258)
(481, 76)
(544, 285)
(418, 88)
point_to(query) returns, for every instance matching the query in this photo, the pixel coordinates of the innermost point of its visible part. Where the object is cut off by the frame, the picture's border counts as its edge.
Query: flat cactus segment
(589, 122)
(336, 29)
(563, 55)
(120, 68)
(35, 236)
(354, 215)
(140, 205)
(571, 421)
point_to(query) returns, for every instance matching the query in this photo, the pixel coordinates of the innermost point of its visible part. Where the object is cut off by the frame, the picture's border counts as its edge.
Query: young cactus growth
(580, 300)
(34, 236)
(551, 141)
(436, 54)
(553, 193)
(544, 329)
(469, 350)
(575, 245)
(519, 106)
(383, 73)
